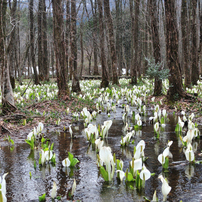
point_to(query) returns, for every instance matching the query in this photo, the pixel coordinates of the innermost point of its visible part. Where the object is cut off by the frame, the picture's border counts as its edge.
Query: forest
(100, 100)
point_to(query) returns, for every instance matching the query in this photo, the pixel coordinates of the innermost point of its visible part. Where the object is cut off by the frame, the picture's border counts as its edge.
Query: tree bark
(12, 44)
(135, 30)
(40, 49)
(73, 59)
(185, 44)
(36, 78)
(8, 104)
(105, 78)
(194, 68)
(63, 90)
(67, 35)
(119, 33)
(175, 91)
(44, 41)
(156, 44)
(111, 41)
(95, 52)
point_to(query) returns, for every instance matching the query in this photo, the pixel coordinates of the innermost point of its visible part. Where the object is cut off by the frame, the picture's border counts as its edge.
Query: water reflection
(182, 176)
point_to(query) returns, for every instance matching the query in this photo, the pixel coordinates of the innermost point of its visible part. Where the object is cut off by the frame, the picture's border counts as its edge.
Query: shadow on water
(185, 179)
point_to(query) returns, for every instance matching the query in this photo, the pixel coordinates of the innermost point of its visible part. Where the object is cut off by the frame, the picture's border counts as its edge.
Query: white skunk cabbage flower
(165, 187)
(121, 174)
(137, 164)
(189, 153)
(54, 190)
(73, 187)
(40, 127)
(66, 162)
(70, 130)
(3, 188)
(154, 199)
(99, 143)
(139, 150)
(156, 126)
(145, 174)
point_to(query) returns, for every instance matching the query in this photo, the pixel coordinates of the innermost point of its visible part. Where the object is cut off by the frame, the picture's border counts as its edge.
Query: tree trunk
(111, 41)
(135, 28)
(8, 104)
(36, 78)
(185, 44)
(156, 44)
(67, 35)
(45, 44)
(40, 50)
(105, 79)
(94, 12)
(63, 90)
(175, 91)
(119, 33)
(73, 59)
(81, 43)
(12, 44)
(195, 68)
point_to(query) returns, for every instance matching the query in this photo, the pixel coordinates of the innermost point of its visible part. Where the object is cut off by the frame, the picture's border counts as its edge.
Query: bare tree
(185, 43)
(111, 41)
(32, 40)
(175, 91)
(44, 42)
(195, 68)
(156, 44)
(40, 44)
(63, 89)
(95, 48)
(135, 30)
(6, 89)
(105, 78)
(11, 49)
(73, 45)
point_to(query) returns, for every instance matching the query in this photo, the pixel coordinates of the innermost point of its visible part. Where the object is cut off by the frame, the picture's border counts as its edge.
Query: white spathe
(145, 174)
(165, 187)
(54, 190)
(66, 162)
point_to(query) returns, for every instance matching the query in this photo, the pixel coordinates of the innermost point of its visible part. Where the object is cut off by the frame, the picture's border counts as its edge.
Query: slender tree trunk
(40, 50)
(135, 28)
(45, 43)
(8, 104)
(63, 90)
(67, 35)
(200, 45)
(12, 44)
(19, 67)
(156, 44)
(195, 68)
(95, 52)
(81, 44)
(105, 78)
(119, 33)
(36, 78)
(73, 59)
(111, 41)
(175, 91)
(185, 42)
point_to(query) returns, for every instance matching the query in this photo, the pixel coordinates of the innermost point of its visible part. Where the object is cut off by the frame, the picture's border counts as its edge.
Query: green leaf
(74, 162)
(71, 156)
(130, 177)
(104, 173)
(52, 145)
(42, 198)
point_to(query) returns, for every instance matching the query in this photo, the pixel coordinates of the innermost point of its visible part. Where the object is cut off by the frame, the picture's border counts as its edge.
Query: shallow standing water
(185, 179)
